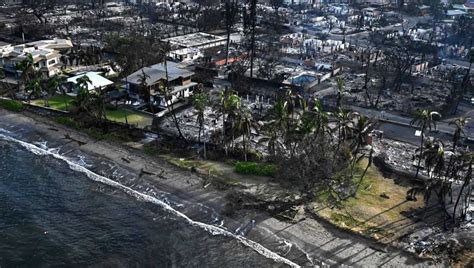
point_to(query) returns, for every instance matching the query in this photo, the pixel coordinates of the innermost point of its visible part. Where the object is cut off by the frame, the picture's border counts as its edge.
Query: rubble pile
(397, 154)
(432, 242)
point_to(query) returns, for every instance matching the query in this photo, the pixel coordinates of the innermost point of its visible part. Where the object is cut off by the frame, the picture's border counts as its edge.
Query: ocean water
(56, 212)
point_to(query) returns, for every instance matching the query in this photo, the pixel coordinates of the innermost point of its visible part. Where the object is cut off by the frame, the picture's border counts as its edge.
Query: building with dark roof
(154, 77)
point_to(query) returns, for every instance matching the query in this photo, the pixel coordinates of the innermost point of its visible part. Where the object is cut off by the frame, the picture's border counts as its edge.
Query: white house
(96, 82)
(45, 53)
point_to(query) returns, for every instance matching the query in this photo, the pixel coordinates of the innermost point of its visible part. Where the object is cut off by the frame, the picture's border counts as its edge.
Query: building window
(51, 62)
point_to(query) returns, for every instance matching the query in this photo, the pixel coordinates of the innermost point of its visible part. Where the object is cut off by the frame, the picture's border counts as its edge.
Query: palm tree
(51, 88)
(433, 150)
(434, 158)
(322, 117)
(471, 61)
(344, 125)
(360, 130)
(459, 123)
(145, 89)
(26, 67)
(230, 12)
(200, 102)
(271, 138)
(466, 160)
(83, 99)
(34, 86)
(275, 129)
(292, 101)
(243, 125)
(165, 89)
(83, 82)
(340, 91)
(426, 120)
(99, 104)
(229, 104)
(280, 115)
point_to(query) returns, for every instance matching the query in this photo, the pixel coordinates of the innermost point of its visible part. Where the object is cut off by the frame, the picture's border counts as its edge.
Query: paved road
(459, 62)
(441, 126)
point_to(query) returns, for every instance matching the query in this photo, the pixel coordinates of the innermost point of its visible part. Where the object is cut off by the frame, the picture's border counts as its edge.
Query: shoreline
(310, 239)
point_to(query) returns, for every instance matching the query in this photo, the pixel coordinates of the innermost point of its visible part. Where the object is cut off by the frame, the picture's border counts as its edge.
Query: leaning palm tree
(425, 120)
(200, 102)
(165, 89)
(466, 161)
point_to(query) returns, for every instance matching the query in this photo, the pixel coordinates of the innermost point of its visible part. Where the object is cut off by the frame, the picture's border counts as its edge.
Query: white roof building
(97, 81)
(455, 13)
(196, 40)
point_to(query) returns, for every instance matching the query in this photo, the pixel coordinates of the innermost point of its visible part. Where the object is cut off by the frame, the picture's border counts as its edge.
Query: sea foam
(214, 230)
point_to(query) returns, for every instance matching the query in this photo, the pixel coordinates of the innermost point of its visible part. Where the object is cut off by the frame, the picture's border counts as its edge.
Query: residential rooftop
(195, 40)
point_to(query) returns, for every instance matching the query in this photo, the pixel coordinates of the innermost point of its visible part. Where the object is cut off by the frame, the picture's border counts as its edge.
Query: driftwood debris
(68, 137)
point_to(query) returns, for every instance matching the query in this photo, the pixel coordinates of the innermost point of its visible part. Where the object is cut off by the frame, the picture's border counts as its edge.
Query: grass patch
(58, 102)
(368, 212)
(12, 105)
(219, 177)
(150, 149)
(68, 121)
(118, 115)
(94, 133)
(254, 168)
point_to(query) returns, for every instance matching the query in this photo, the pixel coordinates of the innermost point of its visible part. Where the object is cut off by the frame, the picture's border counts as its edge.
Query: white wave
(214, 230)
(287, 244)
(5, 131)
(42, 144)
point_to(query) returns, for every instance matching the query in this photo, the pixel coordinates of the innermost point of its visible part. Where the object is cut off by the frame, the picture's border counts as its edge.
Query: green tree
(99, 105)
(345, 125)
(229, 104)
(83, 99)
(26, 67)
(34, 88)
(200, 102)
(322, 117)
(51, 87)
(244, 125)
